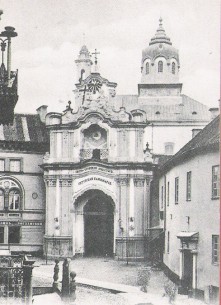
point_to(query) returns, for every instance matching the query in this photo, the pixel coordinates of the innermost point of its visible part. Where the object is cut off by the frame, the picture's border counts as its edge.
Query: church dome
(160, 46)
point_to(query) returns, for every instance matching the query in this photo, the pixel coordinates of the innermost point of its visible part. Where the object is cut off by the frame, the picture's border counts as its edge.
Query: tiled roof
(26, 132)
(189, 110)
(207, 139)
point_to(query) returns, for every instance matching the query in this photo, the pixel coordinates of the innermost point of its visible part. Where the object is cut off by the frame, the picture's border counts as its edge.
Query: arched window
(82, 75)
(160, 66)
(173, 68)
(14, 199)
(147, 68)
(2, 199)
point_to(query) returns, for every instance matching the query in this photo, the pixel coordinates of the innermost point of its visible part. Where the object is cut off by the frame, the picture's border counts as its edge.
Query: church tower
(160, 67)
(83, 63)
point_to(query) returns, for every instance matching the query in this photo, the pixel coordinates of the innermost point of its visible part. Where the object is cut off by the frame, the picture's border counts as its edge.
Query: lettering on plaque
(96, 179)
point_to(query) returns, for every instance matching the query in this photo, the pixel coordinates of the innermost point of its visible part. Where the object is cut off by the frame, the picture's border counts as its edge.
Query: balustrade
(98, 154)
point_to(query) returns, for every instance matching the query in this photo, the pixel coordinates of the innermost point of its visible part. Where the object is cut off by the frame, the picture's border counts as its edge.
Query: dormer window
(160, 66)
(173, 68)
(158, 112)
(147, 68)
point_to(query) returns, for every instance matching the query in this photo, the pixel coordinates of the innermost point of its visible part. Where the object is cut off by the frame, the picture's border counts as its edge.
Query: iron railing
(15, 280)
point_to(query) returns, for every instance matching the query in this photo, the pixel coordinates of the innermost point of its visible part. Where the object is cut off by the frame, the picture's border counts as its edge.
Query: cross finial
(160, 20)
(95, 56)
(68, 107)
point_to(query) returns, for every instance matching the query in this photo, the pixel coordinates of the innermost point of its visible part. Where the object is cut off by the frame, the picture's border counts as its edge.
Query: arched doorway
(98, 224)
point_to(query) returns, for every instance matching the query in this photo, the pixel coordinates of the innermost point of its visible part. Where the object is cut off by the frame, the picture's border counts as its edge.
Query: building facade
(97, 176)
(22, 191)
(189, 191)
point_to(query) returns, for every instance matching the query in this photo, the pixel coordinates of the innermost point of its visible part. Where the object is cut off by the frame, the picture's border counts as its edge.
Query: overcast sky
(51, 34)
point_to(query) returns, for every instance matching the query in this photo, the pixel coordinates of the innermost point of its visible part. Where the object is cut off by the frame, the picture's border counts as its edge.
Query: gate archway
(98, 218)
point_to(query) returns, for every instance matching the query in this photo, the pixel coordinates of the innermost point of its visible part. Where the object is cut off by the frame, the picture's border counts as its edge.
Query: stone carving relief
(123, 181)
(139, 182)
(65, 182)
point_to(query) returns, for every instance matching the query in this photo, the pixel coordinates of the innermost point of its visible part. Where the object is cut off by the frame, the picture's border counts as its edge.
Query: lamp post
(8, 79)
(8, 33)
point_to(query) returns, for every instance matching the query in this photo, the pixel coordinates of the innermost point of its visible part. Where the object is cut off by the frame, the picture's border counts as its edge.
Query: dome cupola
(160, 60)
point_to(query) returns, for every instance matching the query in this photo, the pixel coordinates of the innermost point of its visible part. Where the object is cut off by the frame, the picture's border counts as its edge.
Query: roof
(206, 140)
(26, 133)
(161, 159)
(188, 110)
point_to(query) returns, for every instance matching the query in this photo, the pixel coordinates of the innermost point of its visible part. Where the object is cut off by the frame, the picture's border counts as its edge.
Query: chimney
(42, 111)
(213, 112)
(168, 148)
(195, 132)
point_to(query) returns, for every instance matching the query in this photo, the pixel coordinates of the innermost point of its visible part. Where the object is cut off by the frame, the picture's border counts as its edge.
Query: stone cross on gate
(83, 90)
(95, 56)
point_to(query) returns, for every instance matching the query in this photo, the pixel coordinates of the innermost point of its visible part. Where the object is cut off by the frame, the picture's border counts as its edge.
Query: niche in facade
(95, 137)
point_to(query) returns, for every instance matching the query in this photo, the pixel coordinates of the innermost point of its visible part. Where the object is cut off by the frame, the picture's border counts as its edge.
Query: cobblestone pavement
(108, 270)
(98, 269)
(102, 269)
(85, 296)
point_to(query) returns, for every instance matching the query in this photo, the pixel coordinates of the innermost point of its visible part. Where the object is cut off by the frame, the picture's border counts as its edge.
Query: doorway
(187, 269)
(98, 224)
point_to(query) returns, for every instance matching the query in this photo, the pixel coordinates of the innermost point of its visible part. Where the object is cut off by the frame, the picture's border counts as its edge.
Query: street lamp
(8, 78)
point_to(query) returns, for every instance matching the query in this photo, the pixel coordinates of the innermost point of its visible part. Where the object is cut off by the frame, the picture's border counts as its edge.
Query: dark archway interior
(98, 224)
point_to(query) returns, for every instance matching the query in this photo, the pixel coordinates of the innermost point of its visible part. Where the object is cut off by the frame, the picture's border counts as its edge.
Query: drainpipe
(165, 204)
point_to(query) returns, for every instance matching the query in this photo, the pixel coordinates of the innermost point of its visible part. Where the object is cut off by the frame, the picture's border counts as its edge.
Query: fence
(15, 280)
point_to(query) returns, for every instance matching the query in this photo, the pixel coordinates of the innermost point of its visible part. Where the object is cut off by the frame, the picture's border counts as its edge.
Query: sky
(51, 33)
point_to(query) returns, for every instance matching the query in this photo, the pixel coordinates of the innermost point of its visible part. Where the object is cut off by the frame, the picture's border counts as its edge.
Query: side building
(189, 200)
(22, 191)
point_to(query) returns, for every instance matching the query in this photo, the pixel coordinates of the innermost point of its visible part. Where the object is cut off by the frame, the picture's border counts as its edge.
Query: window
(188, 186)
(168, 193)
(2, 165)
(10, 195)
(147, 68)
(14, 235)
(15, 165)
(161, 197)
(1, 235)
(14, 199)
(2, 199)
(176, 190)
(215, 249)
(173, 68)
(161, 215)
(168, 242)
(160, 66)
(215, 181)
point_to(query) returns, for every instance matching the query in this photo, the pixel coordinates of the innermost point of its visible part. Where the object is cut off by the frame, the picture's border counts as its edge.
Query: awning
(188, 235)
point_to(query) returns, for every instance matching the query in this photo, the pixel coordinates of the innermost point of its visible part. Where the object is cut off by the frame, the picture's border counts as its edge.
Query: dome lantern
(160, 60)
